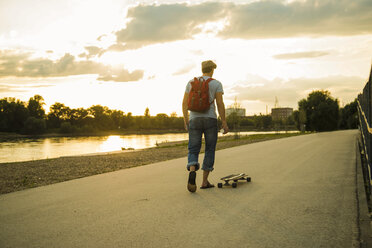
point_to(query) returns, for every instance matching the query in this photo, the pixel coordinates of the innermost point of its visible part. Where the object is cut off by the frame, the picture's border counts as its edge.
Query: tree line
(321, 112)
(318, 112)
(30, 118)
(258, 122)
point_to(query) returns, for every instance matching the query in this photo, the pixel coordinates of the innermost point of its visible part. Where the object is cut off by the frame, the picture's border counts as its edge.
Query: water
(25, 149)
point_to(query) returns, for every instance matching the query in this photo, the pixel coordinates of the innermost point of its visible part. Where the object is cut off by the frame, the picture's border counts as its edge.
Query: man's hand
(225, 127)
(185, 111)
(221, 111)
(186, 124)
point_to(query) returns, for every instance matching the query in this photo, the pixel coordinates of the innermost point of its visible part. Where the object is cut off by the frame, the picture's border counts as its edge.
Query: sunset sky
(130, 55)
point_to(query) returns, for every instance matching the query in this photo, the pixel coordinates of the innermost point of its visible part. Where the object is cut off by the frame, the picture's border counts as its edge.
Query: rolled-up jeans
(197, 127)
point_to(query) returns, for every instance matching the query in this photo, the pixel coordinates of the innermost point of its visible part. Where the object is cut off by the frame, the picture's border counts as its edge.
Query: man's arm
(221, 111)
(185, 111)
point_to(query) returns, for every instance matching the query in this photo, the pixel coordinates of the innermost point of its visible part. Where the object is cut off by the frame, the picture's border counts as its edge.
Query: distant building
(239, 111)
(281, 113)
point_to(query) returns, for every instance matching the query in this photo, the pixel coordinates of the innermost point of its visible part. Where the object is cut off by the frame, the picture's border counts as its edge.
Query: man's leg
(210, 134)
(205, 182)
(195, 141)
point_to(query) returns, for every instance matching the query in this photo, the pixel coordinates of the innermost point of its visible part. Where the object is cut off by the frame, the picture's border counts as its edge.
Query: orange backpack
(199, 95)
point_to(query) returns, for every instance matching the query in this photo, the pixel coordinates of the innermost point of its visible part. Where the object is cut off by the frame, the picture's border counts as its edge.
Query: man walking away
(200, 97)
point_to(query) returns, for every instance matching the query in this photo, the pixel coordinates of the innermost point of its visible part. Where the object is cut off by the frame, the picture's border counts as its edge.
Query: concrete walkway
(302, 194)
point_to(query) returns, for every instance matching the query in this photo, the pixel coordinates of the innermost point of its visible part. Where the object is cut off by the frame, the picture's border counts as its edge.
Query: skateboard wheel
(248, 179)
(219, 185)
(234, 185)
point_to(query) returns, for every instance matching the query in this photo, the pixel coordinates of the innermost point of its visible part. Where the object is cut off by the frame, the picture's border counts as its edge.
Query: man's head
(208, 66)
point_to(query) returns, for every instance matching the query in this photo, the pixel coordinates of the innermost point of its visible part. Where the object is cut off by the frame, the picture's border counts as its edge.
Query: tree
(128, 120)
(322, 111)
(66, 127)
(247, 122)
(349, 116)
(145, 122)
(233, 119)
(102, 120)
(58, 113)
(80, 117)
(13, 114)
(117, 117)
(266, 121)
(262, 121)
(147, 112)
(299, 118)
(35, 107)
(161, 121)
(34, 126)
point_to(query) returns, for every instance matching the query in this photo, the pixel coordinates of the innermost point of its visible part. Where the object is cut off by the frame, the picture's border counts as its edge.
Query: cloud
(197, 52)
(165, 23)
(21, 65)
(122, 76)
(184, 70)
(276, 19)
(7, 88)
(301, 55)
(92, 52)
(291, 91)
(101, 37)
(21, 88)
(117, 48)
(149, 24)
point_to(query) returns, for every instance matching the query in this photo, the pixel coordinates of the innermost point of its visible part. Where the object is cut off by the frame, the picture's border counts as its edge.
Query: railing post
(369, 119)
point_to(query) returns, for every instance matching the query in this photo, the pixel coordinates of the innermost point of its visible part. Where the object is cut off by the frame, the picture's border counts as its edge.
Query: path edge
(363, 221)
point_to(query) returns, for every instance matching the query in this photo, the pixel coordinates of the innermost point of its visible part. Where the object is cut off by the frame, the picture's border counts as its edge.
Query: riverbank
(22, 175)
(5, 136)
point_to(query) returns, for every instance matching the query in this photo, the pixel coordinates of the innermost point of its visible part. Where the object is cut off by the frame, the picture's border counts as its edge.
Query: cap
(209, 64)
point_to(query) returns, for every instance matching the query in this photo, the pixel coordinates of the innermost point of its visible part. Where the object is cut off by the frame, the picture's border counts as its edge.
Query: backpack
(199, 95)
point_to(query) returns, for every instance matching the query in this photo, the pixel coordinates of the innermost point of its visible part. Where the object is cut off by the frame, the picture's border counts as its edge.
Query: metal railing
(365, 121)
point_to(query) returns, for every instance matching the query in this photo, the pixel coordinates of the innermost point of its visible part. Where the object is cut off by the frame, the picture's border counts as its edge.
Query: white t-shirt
(214, 87)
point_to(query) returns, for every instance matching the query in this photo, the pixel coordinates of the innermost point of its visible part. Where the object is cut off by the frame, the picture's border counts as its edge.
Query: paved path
(302, 194)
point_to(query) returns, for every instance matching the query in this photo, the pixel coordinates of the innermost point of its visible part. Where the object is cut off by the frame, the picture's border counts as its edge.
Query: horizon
(173, 114)
(129, 56)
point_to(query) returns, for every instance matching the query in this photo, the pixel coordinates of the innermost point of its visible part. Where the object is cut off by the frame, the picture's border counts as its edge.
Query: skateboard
(235, 178)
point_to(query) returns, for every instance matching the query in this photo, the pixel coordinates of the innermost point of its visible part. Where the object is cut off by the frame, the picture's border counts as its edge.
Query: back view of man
(199, 123)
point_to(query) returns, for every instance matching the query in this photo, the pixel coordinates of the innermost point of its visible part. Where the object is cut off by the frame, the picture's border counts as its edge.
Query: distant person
(203, 120)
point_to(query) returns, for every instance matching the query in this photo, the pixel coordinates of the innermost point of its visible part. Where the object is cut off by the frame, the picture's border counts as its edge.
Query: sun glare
(113, 143)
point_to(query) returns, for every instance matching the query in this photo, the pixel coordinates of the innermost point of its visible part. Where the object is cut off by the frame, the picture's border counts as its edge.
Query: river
(25, 149)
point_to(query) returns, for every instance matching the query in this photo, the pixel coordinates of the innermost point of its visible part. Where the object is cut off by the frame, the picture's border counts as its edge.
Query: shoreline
(17, 176)
(5, 135)
(103, 133)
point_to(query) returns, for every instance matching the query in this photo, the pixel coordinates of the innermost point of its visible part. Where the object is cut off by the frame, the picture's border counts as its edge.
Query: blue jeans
(198, 126)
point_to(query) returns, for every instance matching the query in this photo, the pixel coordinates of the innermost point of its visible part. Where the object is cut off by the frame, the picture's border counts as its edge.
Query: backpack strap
(209, 79)
(207, 82)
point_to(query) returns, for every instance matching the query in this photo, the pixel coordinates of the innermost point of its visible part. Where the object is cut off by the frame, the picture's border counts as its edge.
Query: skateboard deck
(235, 178)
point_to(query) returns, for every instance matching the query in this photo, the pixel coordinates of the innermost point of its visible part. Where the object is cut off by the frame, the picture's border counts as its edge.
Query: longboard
(235, 178)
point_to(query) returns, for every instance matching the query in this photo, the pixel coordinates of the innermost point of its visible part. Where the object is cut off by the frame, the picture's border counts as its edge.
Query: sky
(130, 55)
